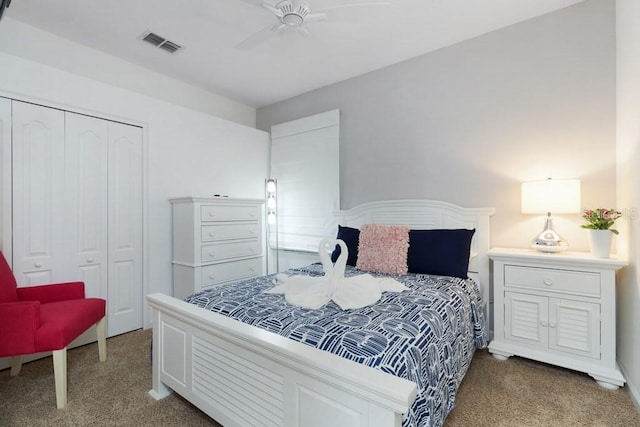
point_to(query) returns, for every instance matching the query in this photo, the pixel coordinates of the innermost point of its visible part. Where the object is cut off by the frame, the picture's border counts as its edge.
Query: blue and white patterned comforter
(427, 335)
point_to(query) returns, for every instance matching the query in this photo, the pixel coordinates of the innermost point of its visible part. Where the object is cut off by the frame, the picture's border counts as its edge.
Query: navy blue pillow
(440, 252)
(351, 236)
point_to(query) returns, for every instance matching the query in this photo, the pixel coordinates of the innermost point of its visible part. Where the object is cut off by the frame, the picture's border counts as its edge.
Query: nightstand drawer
(568, 281)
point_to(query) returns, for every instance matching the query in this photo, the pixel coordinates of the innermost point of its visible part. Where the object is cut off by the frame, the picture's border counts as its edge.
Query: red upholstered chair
(46, 318)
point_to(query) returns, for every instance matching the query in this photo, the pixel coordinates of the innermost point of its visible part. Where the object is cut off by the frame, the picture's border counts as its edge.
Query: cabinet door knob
(544, 324)
(89, 259)
(548, 282)
(37, 264)
(551, 324)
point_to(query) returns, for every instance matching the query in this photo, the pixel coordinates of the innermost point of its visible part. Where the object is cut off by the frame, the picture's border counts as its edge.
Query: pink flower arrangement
(600, 219)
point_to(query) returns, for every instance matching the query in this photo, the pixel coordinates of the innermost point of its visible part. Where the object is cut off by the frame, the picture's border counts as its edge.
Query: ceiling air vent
(160, 42)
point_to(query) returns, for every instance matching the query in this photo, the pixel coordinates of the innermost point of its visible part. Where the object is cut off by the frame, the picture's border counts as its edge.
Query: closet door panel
(5, 178)
(39, 223)
(125, 228)
(86, 178)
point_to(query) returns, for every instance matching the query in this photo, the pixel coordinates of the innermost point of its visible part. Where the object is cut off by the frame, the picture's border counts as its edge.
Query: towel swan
(348, 292)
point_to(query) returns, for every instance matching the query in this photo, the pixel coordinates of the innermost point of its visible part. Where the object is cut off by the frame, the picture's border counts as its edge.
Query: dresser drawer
(231, 271)
(229, 213)
(569, 281)
(213, 232)
(227, 250)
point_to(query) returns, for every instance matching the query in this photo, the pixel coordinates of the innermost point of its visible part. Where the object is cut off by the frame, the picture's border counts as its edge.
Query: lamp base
(561, 246)
(549, 240)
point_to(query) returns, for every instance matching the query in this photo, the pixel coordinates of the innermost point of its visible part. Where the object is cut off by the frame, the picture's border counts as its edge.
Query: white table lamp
(560, 196)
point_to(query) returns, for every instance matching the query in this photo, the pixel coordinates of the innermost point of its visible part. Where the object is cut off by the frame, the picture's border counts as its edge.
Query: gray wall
(468, 123)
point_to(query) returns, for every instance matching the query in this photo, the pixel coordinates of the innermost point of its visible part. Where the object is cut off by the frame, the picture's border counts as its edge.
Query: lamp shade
(559, 196)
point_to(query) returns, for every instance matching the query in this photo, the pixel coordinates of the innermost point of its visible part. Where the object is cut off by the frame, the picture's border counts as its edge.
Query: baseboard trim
(633, 390)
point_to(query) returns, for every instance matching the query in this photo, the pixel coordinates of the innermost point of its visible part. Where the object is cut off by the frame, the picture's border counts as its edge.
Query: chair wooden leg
(60, 373)
(101, 329)
(16, 365)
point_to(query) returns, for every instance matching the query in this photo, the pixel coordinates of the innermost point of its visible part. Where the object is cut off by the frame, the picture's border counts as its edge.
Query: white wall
(628, 193)
(187, 152)
(32, 43)
(468, 123)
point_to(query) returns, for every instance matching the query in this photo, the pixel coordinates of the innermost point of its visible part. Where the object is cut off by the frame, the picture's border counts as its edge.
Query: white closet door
(39, 223)
(5, 178)
(125, 228)
(86, 188)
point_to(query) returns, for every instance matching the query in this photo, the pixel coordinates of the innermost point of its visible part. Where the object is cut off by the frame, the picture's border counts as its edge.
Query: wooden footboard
(245, 376)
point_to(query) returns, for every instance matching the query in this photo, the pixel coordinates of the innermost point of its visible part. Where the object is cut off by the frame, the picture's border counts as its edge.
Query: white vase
(600, 243)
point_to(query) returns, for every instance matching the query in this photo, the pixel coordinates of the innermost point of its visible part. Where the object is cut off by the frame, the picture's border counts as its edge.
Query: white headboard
(426, 215)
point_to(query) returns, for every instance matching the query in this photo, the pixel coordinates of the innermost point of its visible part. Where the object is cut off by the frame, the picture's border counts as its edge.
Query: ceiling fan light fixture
(292, 20)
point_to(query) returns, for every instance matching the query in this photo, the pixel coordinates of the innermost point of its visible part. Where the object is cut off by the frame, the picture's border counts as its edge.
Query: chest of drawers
(215, 241)
(556, 308)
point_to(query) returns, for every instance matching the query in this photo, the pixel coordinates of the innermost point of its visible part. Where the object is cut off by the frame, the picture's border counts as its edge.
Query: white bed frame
(241, 375)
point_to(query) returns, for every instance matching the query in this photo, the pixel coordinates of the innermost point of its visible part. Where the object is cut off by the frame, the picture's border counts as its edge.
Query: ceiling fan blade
(261, 36)
(367, 3)
(315, 17)
(303, 30)
(272, 9)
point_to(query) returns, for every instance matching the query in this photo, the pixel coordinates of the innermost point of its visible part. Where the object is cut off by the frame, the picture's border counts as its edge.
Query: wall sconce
(560, 196)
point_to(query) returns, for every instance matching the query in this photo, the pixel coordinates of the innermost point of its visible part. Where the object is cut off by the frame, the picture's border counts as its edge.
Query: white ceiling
(350, 42)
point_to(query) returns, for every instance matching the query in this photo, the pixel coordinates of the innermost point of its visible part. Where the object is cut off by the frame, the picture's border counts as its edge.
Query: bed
(241, 374)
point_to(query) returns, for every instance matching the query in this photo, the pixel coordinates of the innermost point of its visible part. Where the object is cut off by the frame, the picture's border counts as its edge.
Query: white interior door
(86, 186)
(125, 228)
(39, 223)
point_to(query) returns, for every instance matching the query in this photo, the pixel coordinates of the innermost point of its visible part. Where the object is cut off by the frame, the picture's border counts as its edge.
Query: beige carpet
(517, 392)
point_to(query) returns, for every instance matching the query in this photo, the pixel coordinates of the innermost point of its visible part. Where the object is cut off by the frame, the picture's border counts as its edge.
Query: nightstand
(557, 308)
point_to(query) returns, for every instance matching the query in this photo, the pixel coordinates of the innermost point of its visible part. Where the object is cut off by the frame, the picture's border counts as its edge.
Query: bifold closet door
(39, 201)
(104, 183)
(125, 228)
(87, 149)
(5, 178)
(77, 207)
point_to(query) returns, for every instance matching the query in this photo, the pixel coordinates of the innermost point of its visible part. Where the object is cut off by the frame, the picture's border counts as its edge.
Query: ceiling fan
(294, 15)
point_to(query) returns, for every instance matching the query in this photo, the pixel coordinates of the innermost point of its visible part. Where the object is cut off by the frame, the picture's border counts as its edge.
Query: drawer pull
(544, 323)
(37, 264)
(252, 250)
(212, 276)
(548, 282)
(212, 254)
(212, 234)
(212, 214)
(251, 269)
(89, 259)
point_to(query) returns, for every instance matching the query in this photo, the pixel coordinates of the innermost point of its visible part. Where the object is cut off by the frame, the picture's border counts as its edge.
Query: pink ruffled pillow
(383, 248)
